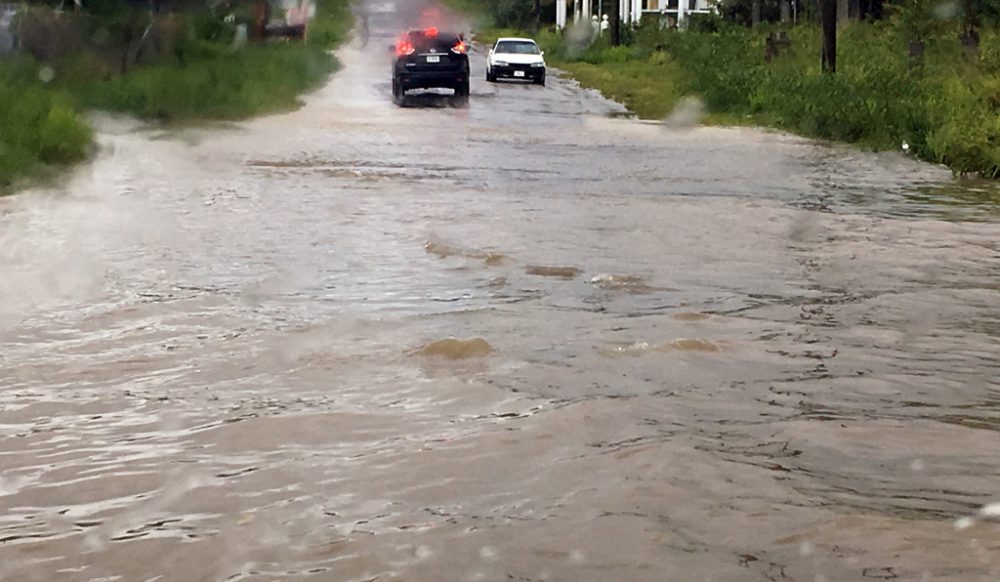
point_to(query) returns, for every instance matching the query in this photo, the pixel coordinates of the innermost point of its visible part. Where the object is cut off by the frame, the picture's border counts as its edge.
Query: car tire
(397, 92)
(462, 94)
(540, 80)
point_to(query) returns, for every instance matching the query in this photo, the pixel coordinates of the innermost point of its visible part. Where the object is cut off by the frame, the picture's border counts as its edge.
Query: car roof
(515, 39)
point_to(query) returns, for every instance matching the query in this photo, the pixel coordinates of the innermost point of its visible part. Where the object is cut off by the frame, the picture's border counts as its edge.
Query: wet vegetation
(187, 64)
(38, 126)
(910, 81)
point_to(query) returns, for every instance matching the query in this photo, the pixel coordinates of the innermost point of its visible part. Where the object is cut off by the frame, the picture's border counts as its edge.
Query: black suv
(429, 58)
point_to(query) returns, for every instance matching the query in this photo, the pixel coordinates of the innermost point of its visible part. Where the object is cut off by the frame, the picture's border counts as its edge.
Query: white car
(516, 58)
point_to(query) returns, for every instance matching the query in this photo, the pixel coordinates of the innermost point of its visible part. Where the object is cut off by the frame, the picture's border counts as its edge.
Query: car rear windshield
(517, 47)
(424, 41)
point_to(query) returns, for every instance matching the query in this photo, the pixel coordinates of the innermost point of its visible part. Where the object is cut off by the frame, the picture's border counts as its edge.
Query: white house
(632, 11)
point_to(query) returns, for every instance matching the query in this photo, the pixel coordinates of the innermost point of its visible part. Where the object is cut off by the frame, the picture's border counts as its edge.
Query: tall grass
(254, 80)
(204, 77)
(38, 126)
(945, 108)
(208, 79)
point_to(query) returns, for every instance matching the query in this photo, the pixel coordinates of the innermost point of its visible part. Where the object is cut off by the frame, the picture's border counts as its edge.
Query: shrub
(231, 86)
(947, 108)
(38, 125)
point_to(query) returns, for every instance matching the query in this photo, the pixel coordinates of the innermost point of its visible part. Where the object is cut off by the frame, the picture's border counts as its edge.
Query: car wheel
(397, 92)
(540, 80)
(490, 77)
(461, 97)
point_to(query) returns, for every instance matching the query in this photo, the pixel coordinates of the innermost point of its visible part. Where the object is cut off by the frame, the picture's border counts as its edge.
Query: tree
(616, 36)
(828, 21)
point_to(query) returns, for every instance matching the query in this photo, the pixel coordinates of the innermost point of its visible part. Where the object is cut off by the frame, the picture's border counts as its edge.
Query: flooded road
(528, 340)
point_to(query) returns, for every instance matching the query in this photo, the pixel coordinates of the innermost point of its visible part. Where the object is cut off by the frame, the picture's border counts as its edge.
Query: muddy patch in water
(445, 250)
(546, 271)
(691, 316)
(456, 349)
(442, 250)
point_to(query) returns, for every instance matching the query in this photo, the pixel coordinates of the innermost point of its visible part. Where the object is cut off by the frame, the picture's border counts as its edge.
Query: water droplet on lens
(46, 74)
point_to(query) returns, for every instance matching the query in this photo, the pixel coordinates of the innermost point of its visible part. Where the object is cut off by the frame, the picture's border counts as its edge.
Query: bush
(230, 86)
(947, 108)
(332, 23)
(38, 126)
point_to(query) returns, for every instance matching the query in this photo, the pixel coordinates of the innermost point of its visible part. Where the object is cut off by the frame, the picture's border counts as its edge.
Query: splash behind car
(430, 59)
(516, 58)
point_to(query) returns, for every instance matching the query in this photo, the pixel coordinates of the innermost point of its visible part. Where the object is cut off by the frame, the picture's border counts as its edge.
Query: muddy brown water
(279, 350)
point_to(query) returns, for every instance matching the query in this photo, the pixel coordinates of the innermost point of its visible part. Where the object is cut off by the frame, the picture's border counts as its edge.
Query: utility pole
(616, 17)
(828, 21)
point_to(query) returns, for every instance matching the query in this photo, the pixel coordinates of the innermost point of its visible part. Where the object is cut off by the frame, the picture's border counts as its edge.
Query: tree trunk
(786, 11)
(616, 16)
(755, 13)
(538, 14)
(970, 28)
(828, 20)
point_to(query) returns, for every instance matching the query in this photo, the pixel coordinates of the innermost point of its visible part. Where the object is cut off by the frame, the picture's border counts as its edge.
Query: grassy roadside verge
(945, 107)
(39, 127)
(43, 127)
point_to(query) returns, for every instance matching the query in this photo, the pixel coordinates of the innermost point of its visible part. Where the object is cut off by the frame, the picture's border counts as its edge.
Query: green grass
(41, 126)
(947, 107)
(332, 24)
(650, 87)
(211, 81)
(257, 79)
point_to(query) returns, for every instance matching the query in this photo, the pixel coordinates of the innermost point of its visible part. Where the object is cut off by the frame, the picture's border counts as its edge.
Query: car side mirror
(541, 53)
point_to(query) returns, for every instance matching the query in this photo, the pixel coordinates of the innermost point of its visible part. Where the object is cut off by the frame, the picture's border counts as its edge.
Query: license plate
(518, 73)
(433, 59)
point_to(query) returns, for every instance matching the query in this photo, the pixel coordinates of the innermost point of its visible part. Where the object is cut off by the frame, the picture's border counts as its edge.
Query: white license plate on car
(433, 59)
(518, 73)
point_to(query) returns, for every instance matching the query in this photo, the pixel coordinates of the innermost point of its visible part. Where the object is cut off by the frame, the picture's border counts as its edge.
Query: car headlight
(500, 63)
(538, 64)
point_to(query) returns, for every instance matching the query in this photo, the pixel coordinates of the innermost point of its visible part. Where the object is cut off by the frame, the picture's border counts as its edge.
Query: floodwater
(526, 340)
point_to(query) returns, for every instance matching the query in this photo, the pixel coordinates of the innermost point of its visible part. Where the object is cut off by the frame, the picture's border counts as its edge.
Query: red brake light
(460, 48)
(431, 32)
(405, 48)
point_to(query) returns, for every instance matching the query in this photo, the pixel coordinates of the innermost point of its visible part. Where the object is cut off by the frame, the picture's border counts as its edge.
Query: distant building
(676, 10)
(632, 11)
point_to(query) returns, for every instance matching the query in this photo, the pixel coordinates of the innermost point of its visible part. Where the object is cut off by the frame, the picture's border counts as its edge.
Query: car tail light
(405, 48)
(460, 48)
